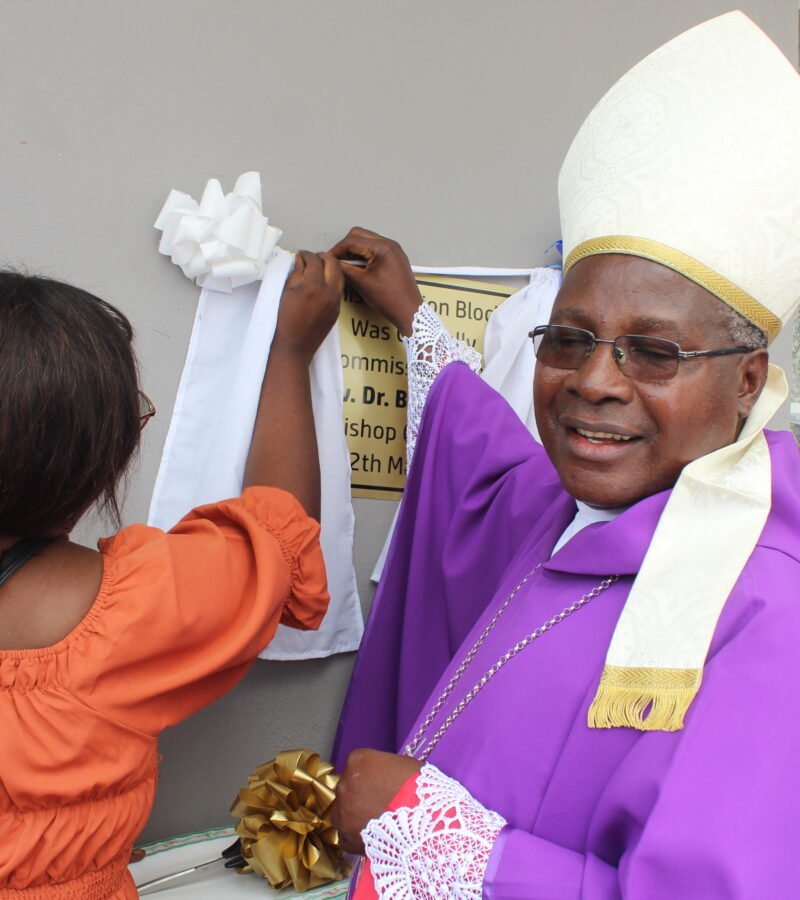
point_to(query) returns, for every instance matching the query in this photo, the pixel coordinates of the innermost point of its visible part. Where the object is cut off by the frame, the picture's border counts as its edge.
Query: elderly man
(581, 664)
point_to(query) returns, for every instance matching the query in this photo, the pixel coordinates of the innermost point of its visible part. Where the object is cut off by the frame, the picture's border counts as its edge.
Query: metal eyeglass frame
(619, 353)
(145, 417)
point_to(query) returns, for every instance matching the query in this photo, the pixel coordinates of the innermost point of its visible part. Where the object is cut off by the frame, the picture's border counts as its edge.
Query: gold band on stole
(643, 698)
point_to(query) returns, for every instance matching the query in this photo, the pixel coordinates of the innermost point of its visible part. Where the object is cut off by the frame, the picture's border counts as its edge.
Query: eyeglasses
(641, 358)
(146, 409)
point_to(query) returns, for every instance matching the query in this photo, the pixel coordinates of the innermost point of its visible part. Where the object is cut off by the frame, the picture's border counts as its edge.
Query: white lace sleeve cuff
(437, 850)
(429, 349)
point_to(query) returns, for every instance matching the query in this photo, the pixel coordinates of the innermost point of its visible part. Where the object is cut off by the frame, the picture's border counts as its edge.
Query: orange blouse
(177, 621)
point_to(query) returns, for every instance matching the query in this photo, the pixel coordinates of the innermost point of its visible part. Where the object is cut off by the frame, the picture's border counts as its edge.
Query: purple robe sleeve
(711, 812)
(468, 502)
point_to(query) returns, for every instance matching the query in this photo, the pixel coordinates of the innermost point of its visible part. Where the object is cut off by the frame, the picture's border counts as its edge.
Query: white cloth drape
(209, 437)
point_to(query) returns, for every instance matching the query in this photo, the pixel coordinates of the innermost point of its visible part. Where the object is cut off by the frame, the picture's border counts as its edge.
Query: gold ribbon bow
(285, 825)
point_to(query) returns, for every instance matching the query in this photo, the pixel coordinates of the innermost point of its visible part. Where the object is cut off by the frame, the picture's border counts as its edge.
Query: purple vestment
(711, 812)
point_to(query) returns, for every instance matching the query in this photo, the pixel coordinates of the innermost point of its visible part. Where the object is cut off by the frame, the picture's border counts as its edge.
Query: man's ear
(752, 375)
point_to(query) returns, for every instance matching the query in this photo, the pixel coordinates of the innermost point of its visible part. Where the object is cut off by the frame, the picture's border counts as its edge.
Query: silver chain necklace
(419, 737)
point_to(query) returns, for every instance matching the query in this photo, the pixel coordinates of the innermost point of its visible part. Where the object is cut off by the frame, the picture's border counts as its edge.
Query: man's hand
(309, 304)
(369, 782)
(386, 282)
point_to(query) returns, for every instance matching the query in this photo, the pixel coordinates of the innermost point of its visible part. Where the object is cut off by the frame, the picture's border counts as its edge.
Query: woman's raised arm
(283, 450)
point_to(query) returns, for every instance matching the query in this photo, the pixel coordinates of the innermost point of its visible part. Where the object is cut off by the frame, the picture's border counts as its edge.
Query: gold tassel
(647, 699)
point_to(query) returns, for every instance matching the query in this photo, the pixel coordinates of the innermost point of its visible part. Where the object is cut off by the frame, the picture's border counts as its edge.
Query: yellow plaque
(375, 383)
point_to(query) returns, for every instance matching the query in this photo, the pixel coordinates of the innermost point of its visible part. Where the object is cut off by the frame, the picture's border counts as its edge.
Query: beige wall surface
(439, 122)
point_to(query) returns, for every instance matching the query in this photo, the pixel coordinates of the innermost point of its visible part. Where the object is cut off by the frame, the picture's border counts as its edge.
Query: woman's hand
(309, 304)
(386, 282)
(369, 782)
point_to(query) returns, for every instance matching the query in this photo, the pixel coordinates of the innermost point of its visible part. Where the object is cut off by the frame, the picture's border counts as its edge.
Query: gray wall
(439, 122)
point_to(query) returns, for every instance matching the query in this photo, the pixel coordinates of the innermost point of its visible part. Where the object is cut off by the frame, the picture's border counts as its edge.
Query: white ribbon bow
(222, 242)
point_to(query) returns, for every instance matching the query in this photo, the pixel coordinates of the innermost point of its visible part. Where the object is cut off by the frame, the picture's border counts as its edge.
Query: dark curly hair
(69, 404)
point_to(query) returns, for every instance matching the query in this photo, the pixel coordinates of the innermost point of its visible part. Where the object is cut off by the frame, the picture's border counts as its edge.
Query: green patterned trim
(181, 840)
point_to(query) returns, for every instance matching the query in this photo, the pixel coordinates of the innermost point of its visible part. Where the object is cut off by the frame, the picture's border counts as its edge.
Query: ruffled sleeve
(182, 615)
(434, 840)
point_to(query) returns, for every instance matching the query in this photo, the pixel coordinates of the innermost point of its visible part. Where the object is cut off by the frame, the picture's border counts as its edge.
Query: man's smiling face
(614, 440)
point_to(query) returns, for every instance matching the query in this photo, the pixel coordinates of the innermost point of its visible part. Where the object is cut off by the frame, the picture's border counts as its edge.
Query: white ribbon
(226, 244)
(222, 242)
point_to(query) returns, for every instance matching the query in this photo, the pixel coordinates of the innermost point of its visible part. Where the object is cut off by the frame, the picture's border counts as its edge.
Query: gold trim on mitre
(643, 698)
(686, 265)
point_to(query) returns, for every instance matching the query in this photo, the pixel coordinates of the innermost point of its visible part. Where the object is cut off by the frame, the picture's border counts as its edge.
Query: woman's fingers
(332, 272)
(313, 267)
(296, 275)
(334, 277)
(319, 271)
(309, 304)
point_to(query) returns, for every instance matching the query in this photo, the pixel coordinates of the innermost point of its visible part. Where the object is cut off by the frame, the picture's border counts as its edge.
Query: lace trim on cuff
(438, 849)
(429, 349)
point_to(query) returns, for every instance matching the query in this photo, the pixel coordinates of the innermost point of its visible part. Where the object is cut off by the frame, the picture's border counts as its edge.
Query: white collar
(586, 515)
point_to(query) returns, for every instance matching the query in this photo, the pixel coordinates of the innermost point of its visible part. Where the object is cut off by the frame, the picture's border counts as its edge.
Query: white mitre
(692, 160)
